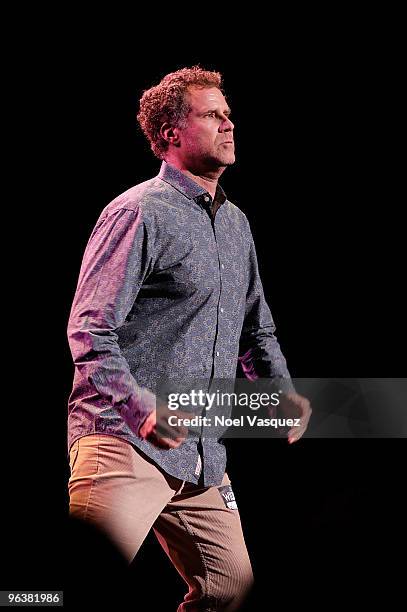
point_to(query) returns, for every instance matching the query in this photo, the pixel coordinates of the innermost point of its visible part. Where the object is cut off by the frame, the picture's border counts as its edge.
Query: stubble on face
(208, 135)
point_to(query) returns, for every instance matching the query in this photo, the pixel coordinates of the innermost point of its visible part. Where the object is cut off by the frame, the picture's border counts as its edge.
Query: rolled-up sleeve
(260, 354)
(117, 258)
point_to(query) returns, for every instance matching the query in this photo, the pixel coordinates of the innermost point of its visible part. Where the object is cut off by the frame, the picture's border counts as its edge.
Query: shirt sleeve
(117, 259)
(260, 354)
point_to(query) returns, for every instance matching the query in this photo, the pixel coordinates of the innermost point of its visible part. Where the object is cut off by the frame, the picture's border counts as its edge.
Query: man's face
(206, 143)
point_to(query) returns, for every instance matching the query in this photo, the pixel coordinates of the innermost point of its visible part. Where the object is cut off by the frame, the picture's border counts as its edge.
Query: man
(169, 287)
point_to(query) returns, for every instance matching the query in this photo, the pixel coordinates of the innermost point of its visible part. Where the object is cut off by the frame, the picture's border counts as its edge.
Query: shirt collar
(186, 185)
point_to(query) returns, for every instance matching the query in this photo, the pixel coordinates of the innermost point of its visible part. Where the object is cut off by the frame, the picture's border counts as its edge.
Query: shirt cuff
(137, 409)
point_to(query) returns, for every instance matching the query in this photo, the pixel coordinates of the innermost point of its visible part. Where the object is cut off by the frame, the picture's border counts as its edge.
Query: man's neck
(207, 180)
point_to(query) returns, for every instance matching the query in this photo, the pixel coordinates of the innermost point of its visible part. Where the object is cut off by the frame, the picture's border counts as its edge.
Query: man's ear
(170, 134)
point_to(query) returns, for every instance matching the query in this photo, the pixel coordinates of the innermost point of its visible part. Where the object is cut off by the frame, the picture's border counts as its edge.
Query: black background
(316, 172)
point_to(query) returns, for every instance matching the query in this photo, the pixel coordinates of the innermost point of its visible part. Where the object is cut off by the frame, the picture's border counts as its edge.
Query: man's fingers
(165, 443)
(295, 434)
(164, 429)
(166, 435)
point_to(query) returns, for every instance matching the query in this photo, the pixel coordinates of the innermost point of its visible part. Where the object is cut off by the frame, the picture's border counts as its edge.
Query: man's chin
(227, 161)
(217, 163)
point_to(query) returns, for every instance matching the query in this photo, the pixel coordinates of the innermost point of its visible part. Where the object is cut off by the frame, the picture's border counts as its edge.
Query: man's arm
(260, 354)
(259, 351)
(117, 259)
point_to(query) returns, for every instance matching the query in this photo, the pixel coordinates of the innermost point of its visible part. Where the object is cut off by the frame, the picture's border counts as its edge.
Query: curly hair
(167, 102)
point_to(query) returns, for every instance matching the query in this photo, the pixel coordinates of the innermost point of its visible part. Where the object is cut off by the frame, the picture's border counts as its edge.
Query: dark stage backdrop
(314, 176)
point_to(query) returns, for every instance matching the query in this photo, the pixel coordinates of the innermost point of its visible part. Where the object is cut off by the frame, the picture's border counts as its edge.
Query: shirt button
(221, 309)
(206, 199)
(217, 353)
(222, 266)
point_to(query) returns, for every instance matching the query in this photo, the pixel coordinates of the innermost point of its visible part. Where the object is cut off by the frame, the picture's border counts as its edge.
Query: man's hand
(294, 406)
(157, 430)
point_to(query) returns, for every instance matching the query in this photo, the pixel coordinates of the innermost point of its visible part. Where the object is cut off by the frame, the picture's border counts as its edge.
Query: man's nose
(226, 125)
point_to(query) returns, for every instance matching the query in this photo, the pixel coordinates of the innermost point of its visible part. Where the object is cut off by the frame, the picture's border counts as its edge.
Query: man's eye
(211, 114)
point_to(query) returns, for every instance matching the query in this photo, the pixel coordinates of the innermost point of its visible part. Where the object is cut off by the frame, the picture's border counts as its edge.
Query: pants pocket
(73, 455)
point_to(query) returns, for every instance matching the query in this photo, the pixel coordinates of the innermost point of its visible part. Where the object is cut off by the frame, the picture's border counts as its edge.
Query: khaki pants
(124, 493)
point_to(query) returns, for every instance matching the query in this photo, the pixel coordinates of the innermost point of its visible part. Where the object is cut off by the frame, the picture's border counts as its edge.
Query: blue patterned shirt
(169, 286)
